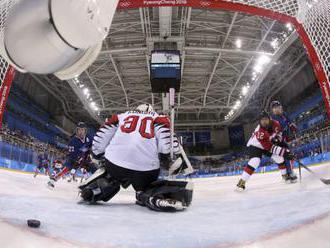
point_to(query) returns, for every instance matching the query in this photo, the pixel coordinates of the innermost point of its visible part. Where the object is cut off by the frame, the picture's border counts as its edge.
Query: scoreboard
(165, 70)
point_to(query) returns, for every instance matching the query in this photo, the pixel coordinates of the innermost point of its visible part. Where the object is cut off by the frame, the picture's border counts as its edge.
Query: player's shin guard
(252, 165)
(247, 173)
(288, 166)
(282, 168)
(166, 196)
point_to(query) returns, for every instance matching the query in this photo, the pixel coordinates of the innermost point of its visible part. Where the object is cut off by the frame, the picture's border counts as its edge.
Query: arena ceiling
(232, 64)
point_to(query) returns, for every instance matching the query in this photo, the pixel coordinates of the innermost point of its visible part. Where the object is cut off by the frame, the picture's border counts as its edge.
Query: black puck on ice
(33, 223)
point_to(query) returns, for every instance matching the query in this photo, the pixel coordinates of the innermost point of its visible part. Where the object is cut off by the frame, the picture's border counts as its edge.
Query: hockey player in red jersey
(135, 144)
(264, 141)
(57, 166)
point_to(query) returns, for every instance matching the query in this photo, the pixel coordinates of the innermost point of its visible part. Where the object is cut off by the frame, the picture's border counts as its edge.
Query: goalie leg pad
(89, 192)
(100, 189)
(172, 191)
(97, 174)
(108, 189)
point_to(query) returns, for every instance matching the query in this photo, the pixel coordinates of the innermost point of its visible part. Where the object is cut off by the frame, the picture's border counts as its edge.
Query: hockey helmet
(81, 126)
(276, 108)
(264, 119)
(145, 108)
(264, 114)
(275, 104)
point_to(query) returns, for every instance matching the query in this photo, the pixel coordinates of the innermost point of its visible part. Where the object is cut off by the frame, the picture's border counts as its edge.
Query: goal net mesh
(287, 7)
(317, 26)
(315, 20)
(5, 6)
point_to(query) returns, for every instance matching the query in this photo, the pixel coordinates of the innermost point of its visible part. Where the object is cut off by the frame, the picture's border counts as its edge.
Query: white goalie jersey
(134, 139)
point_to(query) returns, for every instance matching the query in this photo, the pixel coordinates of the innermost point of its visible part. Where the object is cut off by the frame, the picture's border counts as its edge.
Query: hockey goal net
(311, 19)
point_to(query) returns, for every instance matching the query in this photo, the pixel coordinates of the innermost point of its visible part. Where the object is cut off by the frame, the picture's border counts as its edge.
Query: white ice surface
(269, 214)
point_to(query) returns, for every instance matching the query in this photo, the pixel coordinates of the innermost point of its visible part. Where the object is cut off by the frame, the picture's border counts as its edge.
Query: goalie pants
(154, 194)
(140, 180)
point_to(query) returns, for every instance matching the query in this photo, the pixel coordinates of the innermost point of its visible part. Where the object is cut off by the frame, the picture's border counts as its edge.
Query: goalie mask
(145, 108)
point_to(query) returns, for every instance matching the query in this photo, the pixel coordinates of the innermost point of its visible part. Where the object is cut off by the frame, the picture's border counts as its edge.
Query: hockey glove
(293, 128)
(288, 155)
(276, 140)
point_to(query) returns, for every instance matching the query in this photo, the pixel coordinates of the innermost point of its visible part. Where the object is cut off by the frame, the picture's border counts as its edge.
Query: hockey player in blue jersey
(288, 128)
(78, 155)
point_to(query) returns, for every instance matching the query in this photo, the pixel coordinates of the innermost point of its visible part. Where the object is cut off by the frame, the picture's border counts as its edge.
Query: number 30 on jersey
(146, 127)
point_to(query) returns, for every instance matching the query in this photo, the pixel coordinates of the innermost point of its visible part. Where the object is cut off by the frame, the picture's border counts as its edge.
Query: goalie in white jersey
(135, 144)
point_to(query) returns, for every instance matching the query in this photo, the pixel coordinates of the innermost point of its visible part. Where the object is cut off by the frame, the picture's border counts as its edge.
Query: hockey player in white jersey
(135, 144)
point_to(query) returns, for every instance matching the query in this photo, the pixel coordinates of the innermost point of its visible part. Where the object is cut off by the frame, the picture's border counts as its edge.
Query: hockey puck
(33, 223)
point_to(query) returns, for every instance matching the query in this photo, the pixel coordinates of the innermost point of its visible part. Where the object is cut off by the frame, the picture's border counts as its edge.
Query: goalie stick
(189, 170)
(323, 180)
(178, 162)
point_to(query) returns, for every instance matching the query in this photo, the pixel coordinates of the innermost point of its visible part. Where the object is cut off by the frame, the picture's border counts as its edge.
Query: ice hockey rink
(269, 214)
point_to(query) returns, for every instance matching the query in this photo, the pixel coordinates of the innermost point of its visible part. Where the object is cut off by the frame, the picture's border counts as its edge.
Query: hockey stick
(323, 180)
(172, 103)
(176, 167)
(300, 177)
(189, 170)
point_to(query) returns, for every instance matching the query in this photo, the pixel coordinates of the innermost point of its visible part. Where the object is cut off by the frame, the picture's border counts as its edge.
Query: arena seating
(19, 151)
(25, 115)
(306, 105)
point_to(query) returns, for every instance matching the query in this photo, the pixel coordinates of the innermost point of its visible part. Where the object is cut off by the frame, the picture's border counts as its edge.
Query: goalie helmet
(145, 108)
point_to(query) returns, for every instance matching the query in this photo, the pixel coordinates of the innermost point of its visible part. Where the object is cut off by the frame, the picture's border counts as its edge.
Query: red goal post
(314, 28)
(6, 71)
(6, 78)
